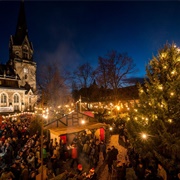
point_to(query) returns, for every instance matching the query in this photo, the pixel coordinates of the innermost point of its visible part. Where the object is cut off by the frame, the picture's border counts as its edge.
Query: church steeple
(21, 52)
(19, 44)
(21, 28)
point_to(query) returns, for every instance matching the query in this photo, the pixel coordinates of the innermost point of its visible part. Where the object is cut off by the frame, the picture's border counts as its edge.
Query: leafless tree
(83, 75)
(113, 70)
(53, 85)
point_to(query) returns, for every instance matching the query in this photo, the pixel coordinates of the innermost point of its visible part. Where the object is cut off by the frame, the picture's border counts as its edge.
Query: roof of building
(13, 88)
(7, 71)
(8, 77)
(74, 129)
(101, 94)
(129, 92)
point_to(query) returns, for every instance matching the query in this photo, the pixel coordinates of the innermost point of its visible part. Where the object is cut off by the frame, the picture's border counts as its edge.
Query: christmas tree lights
(158, 109)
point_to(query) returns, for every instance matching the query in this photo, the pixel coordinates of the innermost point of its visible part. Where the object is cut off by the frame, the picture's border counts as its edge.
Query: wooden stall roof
(74, 129)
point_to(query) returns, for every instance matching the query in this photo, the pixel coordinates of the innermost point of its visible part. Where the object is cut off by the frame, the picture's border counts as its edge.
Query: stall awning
(89, 113)
(74, 129)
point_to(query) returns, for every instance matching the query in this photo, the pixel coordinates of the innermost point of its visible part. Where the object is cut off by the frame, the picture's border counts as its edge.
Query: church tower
(21, 53)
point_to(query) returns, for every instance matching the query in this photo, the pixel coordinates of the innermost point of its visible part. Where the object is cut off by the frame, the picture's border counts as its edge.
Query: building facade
(18, 75)
(103, 102)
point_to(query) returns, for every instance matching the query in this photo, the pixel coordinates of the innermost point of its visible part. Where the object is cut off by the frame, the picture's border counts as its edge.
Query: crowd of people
(21, 157)
(20, 152)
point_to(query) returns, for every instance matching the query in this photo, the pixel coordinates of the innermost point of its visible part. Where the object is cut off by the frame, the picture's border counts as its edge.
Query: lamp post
(80, 104)
(42, 128)
(45, 116)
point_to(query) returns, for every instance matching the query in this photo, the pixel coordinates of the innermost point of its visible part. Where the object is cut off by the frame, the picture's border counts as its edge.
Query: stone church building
(18, 75)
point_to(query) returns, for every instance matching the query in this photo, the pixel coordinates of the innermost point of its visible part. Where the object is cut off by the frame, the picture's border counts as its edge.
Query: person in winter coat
(86, 148)
(44, 154)
(74, 155)
(92, 175)
(140, 171)
(15, 169)
(31, 159)
(102, 148)
(109, 159)
(92, 155)
(161, 172)
(120, 171)
(54, 164)
(24, 172)
(149, 174)
(130, 173)
(114, 153)
(7, 174)
(50, 174)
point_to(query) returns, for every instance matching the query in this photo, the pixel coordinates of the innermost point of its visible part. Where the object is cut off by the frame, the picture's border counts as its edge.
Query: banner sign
(6, 109)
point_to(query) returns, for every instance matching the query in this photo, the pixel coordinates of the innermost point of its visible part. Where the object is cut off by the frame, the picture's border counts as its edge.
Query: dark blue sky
(73, 32)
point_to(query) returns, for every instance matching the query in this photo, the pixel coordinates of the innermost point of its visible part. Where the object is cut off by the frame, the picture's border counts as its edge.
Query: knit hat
(79, 167)
(92, 170)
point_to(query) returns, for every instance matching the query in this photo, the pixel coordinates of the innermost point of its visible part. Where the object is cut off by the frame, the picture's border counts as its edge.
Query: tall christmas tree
(154, 122)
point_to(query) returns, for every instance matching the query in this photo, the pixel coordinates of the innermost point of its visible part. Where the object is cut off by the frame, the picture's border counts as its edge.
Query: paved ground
(102, 169)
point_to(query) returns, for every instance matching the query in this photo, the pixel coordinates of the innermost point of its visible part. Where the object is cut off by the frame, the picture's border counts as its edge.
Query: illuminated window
(26, 70)
(3, 100)
(16, 98)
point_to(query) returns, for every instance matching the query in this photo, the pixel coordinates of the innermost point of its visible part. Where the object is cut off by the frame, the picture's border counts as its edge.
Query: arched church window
(16, 98)
(17, 53)
(3, 99)
(30, 100)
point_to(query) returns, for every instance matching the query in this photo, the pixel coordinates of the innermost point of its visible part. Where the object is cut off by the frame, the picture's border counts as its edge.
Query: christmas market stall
(66, 128)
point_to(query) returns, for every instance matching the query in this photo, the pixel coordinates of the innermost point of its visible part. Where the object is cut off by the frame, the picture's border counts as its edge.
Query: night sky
(76, 32)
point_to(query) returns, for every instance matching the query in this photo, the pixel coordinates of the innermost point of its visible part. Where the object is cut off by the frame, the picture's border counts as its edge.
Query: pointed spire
(21, 28)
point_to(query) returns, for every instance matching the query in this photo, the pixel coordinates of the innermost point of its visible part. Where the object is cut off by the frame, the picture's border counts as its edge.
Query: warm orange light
(83, 122)
(118, 108)
(144, 136)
